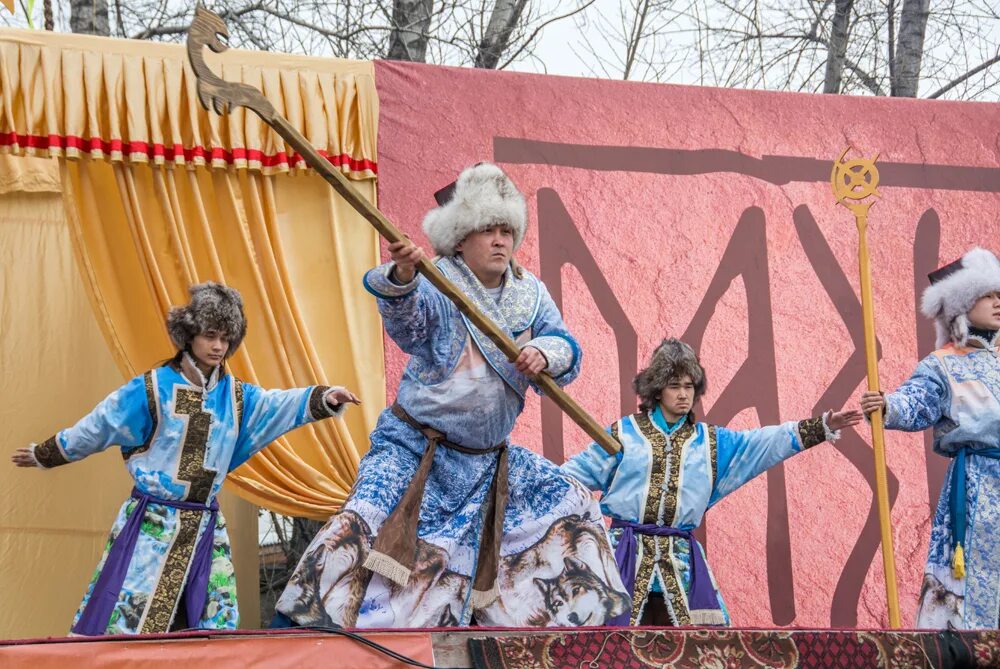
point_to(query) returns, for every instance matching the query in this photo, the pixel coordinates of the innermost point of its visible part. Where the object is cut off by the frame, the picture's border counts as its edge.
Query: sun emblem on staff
(854, 180)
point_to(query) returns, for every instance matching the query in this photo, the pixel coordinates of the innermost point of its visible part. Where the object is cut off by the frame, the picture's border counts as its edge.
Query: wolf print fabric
(669, 475)
(956, 391)
(179, 439)
(556, 565)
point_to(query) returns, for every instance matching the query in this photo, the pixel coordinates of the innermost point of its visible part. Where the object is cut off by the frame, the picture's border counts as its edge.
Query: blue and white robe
(180, 435)
(669, 476)
(459, 383)
(956, 391)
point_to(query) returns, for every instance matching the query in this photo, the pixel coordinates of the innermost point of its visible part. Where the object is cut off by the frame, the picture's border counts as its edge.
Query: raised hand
(405, 255)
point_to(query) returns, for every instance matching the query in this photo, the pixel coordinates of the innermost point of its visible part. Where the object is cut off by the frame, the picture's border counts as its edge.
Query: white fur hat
(954, 290)
(482, 197)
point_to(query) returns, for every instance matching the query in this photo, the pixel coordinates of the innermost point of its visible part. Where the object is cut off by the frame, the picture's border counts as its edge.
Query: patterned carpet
(738, 649)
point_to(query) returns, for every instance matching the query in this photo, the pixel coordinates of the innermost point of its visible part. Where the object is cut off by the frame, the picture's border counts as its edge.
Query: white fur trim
(484, 196)
(340, 408)
(831, 435)
(31, 447)
(949, 300)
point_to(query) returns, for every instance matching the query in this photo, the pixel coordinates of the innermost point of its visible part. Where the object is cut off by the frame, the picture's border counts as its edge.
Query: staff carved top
(213, 91)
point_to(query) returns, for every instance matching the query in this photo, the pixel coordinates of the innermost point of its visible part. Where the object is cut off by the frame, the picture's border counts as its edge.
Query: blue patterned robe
(179, 440)
(459, 383)
(670, 475)
(956, 390)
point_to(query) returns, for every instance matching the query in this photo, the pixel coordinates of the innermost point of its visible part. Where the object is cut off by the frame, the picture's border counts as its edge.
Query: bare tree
(89, 16)
(411, 22)
(631, 42)
(883, 47)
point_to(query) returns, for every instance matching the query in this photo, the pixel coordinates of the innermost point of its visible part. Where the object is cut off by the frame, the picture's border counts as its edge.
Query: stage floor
(485, 648)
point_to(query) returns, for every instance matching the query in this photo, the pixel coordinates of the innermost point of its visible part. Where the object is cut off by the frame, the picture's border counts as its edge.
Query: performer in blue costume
(956, 391)
(182, 428)
(447, 520)
(671, 469)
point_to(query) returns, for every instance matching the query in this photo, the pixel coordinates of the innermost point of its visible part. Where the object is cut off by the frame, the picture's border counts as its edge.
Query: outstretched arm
(917, 404)
(123, 418)
(744, 455)
(268, 414)
(410, 307)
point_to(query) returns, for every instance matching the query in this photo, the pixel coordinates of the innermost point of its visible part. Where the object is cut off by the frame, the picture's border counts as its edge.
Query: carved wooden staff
(854, 181)
(222, 96)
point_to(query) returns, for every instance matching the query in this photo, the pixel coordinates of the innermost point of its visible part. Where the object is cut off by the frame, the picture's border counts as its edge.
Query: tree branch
(965, 77)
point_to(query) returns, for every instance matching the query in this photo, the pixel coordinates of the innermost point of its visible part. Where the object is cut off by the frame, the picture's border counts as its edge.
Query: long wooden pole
(222, 95)
(857, 187)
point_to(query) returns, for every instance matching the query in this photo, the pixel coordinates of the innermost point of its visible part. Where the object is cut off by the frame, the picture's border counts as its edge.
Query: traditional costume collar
(518, 304)
(661, 421)
(982, 338)
(191, 373)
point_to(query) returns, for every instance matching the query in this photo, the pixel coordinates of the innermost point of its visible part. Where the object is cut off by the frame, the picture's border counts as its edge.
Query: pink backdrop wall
(707, 214)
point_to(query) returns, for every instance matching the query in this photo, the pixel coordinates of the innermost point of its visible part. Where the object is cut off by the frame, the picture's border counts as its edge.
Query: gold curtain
(56, 366)
(163, 195)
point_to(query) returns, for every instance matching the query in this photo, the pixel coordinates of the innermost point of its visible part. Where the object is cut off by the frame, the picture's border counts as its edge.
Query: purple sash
(702, 595)
(97, 613)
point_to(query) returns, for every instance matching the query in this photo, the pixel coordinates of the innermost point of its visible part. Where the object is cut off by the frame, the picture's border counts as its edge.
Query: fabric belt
(958, 504)
(703, 603)
(97, 613)
(394, 551)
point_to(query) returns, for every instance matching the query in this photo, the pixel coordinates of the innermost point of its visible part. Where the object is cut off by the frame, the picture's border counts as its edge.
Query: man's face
(210, 348)
(488, 253)
(985, 313)
(678, 397)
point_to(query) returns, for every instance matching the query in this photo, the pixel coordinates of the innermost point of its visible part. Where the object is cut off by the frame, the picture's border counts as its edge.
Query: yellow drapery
(147, 220)
(56, 366)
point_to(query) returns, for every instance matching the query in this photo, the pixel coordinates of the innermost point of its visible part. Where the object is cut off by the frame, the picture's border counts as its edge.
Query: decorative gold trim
(679, 610)
(713, 453)
(811, 432)
(49, 455)
(672, 493)
(191, 467)
(646, 546)
(154, 414)
(238, 401)
(163, 602)
(657, 471)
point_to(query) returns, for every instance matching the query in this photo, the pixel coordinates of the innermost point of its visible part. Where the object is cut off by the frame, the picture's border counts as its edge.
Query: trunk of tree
(910, 48)
(411, 20)
(837, 50)
(505, 17)
(89, 16)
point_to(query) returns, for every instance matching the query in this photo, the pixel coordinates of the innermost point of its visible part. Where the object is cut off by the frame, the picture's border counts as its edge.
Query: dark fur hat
(671, 359)
(213, 306)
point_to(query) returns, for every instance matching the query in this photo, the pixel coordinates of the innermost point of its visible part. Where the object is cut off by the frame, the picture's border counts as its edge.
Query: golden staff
(222, 96)
(852, 182)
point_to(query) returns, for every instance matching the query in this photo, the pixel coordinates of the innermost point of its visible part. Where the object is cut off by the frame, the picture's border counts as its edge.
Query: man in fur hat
(446, 520)
(672, 469)
(956, 391)
(182, 427)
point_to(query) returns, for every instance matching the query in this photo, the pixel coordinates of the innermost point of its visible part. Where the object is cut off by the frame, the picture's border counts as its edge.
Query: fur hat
(671, 359)
(213, 306)
(482, 197)
(954, 290)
